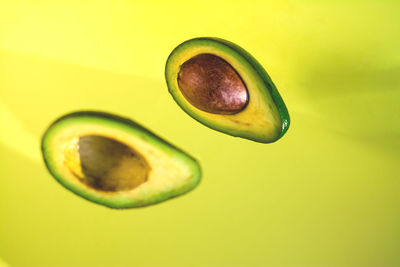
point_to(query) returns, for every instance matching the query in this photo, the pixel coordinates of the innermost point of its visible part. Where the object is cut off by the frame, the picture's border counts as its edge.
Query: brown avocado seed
(211, 84)
(109, 165)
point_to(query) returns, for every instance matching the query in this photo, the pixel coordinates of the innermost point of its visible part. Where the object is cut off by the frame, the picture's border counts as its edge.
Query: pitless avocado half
(223, 87)
(115, 162)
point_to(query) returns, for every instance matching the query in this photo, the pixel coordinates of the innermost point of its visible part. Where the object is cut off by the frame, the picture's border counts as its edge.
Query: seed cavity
(106, 164)
(211, 84)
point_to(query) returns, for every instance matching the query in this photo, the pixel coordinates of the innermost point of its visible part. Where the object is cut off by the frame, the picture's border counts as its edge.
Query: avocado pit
(106, 164)
(211, 84)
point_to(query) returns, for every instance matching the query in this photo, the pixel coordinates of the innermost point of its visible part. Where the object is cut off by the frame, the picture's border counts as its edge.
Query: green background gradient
(325, 195)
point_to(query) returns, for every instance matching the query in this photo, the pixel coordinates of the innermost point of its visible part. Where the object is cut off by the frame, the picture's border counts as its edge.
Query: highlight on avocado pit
(115, 162)
(223, 87)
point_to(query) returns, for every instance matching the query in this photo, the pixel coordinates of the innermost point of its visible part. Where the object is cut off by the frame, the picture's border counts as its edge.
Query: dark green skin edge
(104, 115)
(276, 97)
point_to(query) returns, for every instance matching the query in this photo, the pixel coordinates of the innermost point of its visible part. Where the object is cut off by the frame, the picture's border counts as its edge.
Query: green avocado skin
(145, 134)
(276, 97)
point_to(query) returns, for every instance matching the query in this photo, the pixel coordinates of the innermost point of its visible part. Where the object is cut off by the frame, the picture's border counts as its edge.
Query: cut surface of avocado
(115, 162)
(223, 87)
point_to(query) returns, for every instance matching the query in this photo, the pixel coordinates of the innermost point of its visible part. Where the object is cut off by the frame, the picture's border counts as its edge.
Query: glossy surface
(325, 195)
(212, 85)
(265, 118)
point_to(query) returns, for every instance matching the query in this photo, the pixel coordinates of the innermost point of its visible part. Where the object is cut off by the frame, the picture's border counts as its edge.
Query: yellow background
(325, 195)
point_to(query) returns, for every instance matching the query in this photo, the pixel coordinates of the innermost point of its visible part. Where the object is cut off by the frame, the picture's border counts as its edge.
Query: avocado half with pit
(223, 87)
(115, 162)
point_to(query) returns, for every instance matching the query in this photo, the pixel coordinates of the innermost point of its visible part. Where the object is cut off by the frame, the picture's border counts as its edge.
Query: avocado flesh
(265, 117)
(115, 162)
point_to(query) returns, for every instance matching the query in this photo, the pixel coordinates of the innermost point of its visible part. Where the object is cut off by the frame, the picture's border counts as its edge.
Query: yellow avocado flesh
(261, 120)
(133, 167)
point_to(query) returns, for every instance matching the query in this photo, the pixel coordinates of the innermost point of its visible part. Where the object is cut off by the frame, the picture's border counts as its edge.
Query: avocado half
(115, 162)
(223, 87)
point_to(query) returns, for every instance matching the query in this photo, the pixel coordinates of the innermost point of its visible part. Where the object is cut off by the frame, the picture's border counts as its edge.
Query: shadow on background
(3, 263)
(354, 96)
